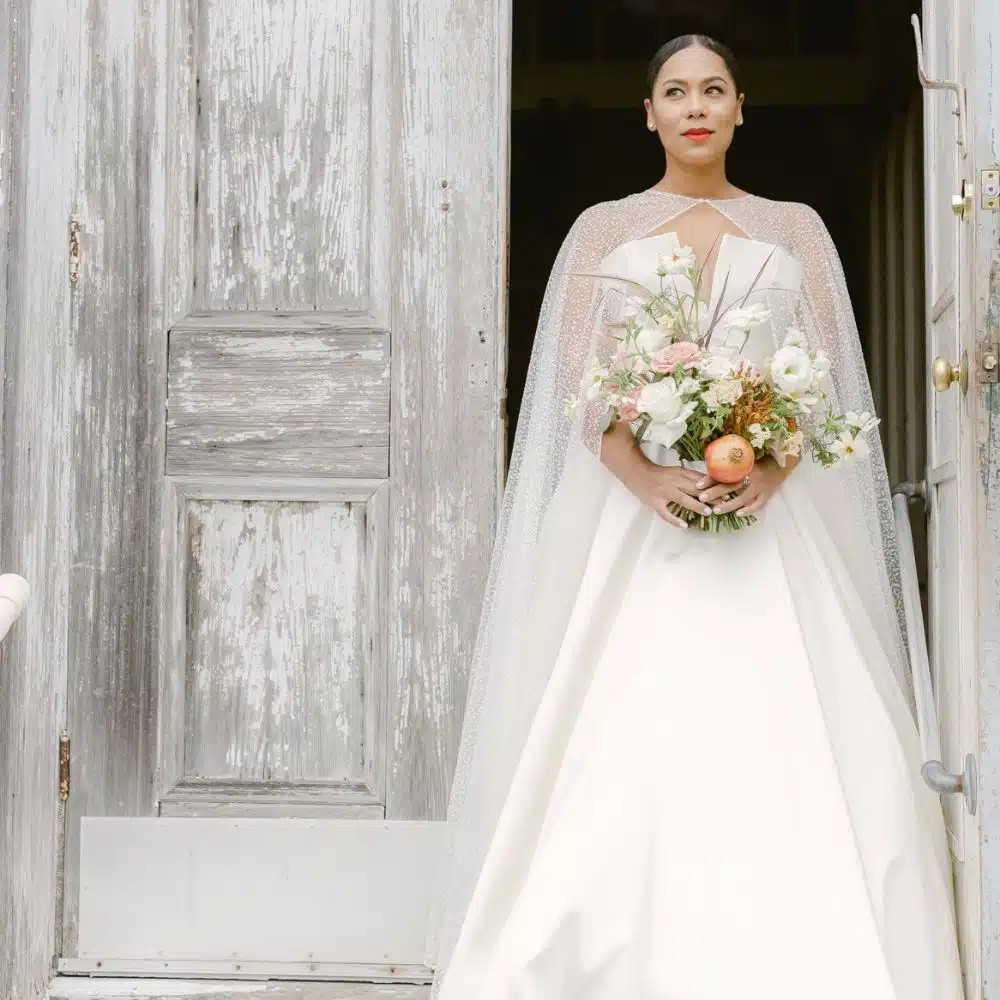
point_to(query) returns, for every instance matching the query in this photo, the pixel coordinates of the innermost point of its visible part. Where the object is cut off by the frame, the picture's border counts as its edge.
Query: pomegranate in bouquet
(729, 458)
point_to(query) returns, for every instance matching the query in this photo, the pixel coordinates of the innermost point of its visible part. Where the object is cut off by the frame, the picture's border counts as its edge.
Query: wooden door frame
(984, 126)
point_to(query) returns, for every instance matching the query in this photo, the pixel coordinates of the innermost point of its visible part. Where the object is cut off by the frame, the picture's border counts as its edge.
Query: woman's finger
(690, 503)
(671, 518)
(752, 508)
(689, 482)
(719, 491)
(739, 502)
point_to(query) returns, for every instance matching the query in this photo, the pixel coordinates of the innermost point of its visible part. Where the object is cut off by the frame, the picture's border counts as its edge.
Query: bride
(689, 768)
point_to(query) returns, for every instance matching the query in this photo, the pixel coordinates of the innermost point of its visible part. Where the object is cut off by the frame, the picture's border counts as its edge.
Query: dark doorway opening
(832, 118)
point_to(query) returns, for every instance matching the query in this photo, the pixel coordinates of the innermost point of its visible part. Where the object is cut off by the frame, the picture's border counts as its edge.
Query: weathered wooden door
(952, 466)
(286, 329)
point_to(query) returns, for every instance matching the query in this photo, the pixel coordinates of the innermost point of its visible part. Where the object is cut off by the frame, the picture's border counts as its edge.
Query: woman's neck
(708, 183)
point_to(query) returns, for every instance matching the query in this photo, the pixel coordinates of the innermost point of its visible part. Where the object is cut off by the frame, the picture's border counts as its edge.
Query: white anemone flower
(848, 446)
(681, 261)
(861, 422)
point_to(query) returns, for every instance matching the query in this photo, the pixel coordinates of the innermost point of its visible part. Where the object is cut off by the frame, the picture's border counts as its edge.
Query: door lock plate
(988, 362)
(990, 189)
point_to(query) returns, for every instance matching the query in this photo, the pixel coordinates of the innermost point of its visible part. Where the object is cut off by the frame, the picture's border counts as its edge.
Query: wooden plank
(983, 36)
(284, 97)
(288, 402)
(67, 988)
(298, 800)
(278, 891)
(275, 644)
(41, 77)
(117, 386)
(240, 321)
(446, 269)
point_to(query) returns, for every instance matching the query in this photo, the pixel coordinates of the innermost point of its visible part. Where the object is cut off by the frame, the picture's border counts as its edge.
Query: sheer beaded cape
(557, 486)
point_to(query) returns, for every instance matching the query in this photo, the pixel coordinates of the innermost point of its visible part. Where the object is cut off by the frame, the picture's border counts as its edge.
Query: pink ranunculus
(627, 411)
(683, 353)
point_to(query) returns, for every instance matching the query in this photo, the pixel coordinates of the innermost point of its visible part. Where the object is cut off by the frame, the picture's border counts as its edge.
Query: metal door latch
(988, 362)
(990, 189)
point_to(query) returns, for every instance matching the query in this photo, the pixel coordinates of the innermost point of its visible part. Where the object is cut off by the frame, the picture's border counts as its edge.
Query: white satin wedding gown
(712, 811)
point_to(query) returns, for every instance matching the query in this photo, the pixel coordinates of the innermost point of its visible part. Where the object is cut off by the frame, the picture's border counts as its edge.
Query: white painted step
(82, 988)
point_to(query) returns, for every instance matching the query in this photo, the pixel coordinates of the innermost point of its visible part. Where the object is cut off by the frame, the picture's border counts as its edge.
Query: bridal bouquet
(666, 381)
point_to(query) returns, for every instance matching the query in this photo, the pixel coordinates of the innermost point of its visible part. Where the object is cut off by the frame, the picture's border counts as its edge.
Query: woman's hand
(662, 485)
(765, 479)
(657, 486)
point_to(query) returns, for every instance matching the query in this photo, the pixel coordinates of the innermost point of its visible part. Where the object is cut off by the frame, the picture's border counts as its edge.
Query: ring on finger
(746, 481)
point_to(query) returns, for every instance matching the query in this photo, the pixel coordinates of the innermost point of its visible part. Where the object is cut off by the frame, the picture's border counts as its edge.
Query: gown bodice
(737, 273)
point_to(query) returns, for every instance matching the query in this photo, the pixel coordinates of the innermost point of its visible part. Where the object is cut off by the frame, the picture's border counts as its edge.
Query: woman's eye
(673, 91)
(714, 87)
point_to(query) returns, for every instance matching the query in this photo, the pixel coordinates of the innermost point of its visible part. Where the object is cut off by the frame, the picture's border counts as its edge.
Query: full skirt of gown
(706, 807)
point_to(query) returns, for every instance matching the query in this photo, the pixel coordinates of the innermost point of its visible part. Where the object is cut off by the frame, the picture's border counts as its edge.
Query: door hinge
(988, 358)
(74, 248)
(63, 766)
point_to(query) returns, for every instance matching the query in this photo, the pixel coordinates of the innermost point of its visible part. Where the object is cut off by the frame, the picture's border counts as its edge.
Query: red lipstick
(698, 134)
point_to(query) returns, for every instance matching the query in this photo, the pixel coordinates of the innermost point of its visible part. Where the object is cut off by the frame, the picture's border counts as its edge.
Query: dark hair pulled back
(682, 42)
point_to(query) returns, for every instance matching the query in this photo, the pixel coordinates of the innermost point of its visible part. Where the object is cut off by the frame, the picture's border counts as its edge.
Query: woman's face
(694, 106)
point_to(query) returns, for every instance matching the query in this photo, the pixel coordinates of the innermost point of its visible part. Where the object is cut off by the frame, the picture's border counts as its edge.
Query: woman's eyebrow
(708, 79)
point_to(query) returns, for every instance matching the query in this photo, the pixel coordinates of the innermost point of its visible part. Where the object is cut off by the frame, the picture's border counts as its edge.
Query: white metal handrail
(14, 591)
(933, 770)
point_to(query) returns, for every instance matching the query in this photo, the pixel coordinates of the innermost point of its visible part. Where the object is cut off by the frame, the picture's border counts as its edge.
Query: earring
(651, 126)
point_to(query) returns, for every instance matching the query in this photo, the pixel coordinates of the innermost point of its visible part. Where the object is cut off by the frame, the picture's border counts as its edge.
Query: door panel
(288, 409)
(951, 474)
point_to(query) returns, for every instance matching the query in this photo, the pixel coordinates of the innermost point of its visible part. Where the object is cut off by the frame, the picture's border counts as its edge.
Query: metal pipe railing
(933, 770)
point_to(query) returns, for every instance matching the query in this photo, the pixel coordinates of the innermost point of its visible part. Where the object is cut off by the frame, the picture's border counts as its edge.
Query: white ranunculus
(792, 370)
(747, 317)
(669, 413)
(681, 261)
(724, 392)
(717, 365)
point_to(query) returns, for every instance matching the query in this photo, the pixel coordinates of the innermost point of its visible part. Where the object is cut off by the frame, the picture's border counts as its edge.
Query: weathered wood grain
(274, 800)
(284, 109)
(446, 269)
(117, 400)
(41, 45)
(180, 97)
(984, 116)
(292, 402)
(275, 653)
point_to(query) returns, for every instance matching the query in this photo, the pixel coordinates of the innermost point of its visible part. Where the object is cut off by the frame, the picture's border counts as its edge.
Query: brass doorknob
(944, 374)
